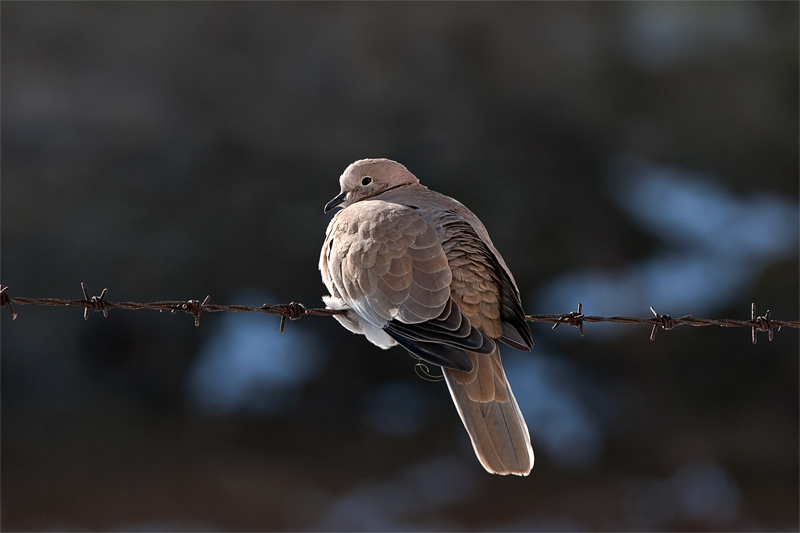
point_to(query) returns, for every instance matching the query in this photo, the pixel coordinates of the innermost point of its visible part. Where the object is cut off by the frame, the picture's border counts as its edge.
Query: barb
(97, 302)
(295, 311)
(764, 322)
(5, 300)
(572, 319)
(193, 307)
(665, 321)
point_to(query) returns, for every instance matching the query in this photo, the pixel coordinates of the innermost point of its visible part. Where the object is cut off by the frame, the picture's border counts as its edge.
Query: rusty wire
(295, 311)
(666, 322)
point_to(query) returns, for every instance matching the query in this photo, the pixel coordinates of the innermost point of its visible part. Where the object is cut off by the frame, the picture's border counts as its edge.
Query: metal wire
(295, 311)
(666, 322)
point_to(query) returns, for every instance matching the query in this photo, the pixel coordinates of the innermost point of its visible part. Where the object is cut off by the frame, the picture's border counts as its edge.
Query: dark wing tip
(515, 337)
(434, 352)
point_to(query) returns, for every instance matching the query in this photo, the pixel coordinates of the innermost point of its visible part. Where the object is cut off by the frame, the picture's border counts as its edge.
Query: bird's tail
(491, 415)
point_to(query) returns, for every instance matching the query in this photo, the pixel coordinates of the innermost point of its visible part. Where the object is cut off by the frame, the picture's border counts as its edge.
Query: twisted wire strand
(295, 311)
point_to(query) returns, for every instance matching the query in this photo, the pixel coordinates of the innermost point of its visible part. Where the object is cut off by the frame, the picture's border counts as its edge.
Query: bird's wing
(468, 245)
(388, 264)
(482, 283)
(487, 295)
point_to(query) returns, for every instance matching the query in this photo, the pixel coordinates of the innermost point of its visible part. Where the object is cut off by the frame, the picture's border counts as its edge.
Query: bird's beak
(336, 201)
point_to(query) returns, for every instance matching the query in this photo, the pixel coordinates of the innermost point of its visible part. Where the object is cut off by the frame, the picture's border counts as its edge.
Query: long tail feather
(493, 420)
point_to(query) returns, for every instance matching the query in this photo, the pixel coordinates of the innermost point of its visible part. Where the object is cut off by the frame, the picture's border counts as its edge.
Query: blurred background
(621, 155)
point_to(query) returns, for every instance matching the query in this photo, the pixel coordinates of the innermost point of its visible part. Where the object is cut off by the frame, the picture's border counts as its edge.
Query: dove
(415, 268)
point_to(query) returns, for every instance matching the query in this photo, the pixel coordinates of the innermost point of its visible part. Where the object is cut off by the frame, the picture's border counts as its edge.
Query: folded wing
(388, 264)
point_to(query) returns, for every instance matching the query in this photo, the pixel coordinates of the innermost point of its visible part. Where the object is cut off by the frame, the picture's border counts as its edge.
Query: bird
(415, 268)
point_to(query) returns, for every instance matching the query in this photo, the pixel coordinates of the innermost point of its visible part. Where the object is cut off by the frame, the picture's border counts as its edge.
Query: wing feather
(386, 259)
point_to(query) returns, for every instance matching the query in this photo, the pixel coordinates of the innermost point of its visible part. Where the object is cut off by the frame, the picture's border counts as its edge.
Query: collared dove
(416, 268)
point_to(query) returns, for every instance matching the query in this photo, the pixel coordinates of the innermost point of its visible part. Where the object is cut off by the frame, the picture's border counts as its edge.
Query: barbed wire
(295, 311)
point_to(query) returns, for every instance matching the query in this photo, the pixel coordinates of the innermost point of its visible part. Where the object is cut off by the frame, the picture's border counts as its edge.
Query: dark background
(174, 150)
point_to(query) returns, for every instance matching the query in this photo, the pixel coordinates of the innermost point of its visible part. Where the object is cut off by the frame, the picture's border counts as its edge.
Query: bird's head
(367, 178)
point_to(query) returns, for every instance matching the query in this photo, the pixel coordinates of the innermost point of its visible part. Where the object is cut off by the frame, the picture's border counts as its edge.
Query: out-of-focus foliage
(620, 154)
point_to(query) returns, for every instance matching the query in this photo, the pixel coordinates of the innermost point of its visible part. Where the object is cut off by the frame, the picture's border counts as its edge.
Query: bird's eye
(366, 180)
